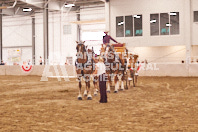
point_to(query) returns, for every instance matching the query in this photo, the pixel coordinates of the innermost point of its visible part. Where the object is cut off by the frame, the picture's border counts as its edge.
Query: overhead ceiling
(9, 8)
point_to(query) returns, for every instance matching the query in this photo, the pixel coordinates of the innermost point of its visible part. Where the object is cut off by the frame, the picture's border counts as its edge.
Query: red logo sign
(26, 68)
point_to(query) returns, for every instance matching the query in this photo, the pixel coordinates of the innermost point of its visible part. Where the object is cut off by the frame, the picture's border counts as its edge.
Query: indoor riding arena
(54, 52)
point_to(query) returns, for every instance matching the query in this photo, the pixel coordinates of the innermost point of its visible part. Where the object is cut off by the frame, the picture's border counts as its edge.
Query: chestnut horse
(132, 67)
(84, 68)
(112, 66)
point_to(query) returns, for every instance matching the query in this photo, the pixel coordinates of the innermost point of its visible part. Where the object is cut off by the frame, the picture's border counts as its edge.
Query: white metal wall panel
(195, 24)
(132, 7)
(17, 31)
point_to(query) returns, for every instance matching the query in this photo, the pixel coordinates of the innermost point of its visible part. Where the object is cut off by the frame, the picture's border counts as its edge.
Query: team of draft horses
(119, 66)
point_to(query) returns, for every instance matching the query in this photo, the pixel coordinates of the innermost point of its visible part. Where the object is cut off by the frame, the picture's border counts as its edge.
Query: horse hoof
(108, 91)
(95, 94)
(115, 91)
(79, 98)
(89, 98)
(85, 95)
(121, 89)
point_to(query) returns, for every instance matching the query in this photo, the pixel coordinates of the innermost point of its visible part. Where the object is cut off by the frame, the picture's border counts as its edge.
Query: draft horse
(132, 59)
(112, 66)
(84, 68)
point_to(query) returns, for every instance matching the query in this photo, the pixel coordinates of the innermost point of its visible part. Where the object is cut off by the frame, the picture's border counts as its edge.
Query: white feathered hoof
(79, 98)
(85, 93)
(95, 93)
(115, 91)
(89, 98)
(108, 91)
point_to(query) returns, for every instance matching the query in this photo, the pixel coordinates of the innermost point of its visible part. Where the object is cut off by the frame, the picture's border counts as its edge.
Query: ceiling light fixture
(168, 25)
(69, 5)
(136, 16)
(27, 9)
(153, 21)
(172, 13)
(120, 23)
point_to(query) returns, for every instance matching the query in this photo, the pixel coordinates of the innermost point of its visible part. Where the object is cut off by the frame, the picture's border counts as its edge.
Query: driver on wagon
(107, 38)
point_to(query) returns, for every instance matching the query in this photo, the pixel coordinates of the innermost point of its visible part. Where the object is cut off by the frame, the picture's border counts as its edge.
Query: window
(174, 23)
(138, 25)
(164, 23)
(67, 29)
(119, 26)
(128, 26)
(195, 16)
(154, 24)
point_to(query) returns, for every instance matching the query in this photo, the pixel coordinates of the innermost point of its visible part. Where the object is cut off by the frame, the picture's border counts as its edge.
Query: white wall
(17, 33)
(145, 7)
(195, 24)
(160, 54)
(160, 46)
(152, 70)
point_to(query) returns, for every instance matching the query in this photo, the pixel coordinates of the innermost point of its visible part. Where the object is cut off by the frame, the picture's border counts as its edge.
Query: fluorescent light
(153, 21)
(136, 16)
(168, 25)
(27, 9)
(172, 13)
(69, 5)
(120, 23)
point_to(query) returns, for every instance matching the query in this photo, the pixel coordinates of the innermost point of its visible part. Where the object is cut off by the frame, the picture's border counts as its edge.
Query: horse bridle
(84, 50)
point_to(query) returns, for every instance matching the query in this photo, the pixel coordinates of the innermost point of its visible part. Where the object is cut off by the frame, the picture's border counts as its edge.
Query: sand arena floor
(156, 104)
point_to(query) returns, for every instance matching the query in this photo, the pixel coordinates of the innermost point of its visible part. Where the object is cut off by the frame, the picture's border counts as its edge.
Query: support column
(61, 37)
(1, 39)
(188, 30)
(107, 16)
(33, 41)
(78, 26)
(46, 34)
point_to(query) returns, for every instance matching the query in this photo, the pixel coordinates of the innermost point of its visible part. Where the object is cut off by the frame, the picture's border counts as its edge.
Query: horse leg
(95, 85)
(108, 83)
(80, 86)
(122, 82)
(89, 97)
(116, 84)
(86, 85)
(136, 79)
(133, 76)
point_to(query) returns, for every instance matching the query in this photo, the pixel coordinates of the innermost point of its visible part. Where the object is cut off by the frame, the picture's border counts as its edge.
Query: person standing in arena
(41, 61)
(100, 70)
